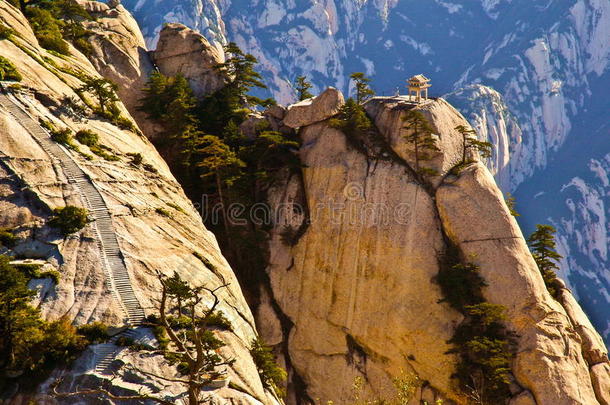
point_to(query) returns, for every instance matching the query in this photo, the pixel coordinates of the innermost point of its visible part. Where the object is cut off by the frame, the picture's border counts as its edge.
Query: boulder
(314, 110)
(276, 111)
(181, 50)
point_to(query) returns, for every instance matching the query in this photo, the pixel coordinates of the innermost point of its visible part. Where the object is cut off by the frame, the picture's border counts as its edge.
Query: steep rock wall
(361, 293)
(157, 228)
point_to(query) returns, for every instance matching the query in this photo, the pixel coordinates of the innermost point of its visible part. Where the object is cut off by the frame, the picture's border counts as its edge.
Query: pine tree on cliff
(470, 141)
(420, 136)
(231, 103)
(171, 102)
(363, 90)
(104, 90)
(189, 339)
(302, 87)
(220, 161)
(239, 68)
(542, 244)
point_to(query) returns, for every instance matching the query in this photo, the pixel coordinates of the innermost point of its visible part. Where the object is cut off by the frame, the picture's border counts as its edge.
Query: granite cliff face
(358, 285)
(353, 254)
(547, 61)
(143, 223)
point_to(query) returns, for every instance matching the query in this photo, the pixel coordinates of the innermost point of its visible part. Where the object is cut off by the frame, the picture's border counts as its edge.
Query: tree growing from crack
(470, 142)
(420, 136)
(190, 341)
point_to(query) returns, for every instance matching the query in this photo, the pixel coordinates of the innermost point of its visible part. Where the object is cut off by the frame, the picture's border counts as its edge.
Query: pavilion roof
(419, 78)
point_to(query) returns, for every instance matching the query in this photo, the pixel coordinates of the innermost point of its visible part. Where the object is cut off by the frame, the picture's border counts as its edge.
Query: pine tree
(271, 374)
(470, 141)
(220, 161)
(542, 244)
(170, 101)
(420, 136)
(511, 204)
(104, 90)
(302, 87)
(363, 90)
(239, 69)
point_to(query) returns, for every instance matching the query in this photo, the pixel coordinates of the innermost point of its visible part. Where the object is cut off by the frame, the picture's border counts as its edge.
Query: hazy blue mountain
(531, 75)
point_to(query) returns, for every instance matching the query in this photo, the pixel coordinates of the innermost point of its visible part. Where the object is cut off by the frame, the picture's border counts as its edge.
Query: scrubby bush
(8, 71)
(7, 239)
(5, 32)
(163, 212)
(33, 271)
(136, 158)
(69, 219)
(87, 137)
(47, 29)
(91, 139)
(95, 332)
(63, 136)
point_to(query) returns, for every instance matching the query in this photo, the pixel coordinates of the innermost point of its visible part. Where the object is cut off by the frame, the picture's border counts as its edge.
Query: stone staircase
(116, 271)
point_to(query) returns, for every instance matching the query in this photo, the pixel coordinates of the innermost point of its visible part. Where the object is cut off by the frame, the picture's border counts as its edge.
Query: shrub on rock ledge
(69, 219)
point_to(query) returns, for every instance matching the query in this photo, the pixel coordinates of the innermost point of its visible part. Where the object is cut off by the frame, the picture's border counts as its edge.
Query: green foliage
(87, 137)
(543, 247)
(405, 386)
(7, 239)
(163, 212)
(218, 158)
(136, 158)
(205, 261)
(363, 89)
(63, 136)
(171, 102)
(461, 285)
(91, 139)
(360, 131)
(69, 219)
(510, 203)
(217, 320)
(30, 346)
(72, 14)
(105, 92)
(210, 155)
(470, 141)
(5, 32)
(484, 346)
(272, 375)
(34, 271)
(47, 29)
(302, 87)
(95, 332)
(102, 151)
(486, 350)
(176, 207)
(239, 70)
(421, 137)
(54, 22)
(8, 71)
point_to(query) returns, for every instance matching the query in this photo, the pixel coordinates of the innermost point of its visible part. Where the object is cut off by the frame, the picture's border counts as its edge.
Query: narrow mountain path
(112, 257)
